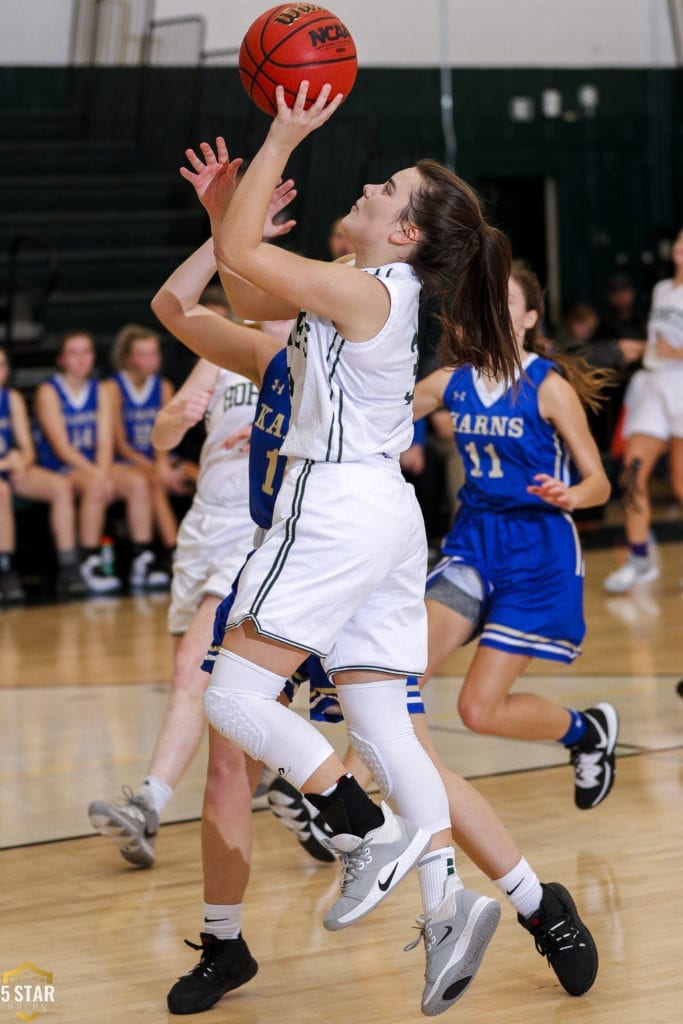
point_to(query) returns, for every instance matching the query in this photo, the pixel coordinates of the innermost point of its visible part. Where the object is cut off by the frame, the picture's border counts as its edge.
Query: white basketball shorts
(212, 545)
(654, 404)
(342, 571)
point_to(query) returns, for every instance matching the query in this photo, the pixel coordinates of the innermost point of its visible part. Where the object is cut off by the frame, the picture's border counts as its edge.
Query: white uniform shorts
(212, 545)
(654, 404)
(342, 571)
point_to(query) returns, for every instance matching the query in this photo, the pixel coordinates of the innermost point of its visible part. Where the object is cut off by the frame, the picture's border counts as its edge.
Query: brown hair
(125, 339)
(74, 333)
(588, 382)
(464, 263)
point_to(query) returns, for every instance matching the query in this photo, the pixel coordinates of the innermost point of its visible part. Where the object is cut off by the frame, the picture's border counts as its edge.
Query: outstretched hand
(552, 490)
(282, 197)
(292, 124)
(214, 178)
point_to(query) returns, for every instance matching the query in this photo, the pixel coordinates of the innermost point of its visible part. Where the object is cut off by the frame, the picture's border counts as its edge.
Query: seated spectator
(577, 328)
(76, 439)
(20, 476)
(622, 318)
(137, 392)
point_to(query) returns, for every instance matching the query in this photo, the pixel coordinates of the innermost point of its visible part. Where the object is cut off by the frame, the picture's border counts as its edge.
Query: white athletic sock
(522, 888)
(224, 920)
(438, 877)
(155, 792)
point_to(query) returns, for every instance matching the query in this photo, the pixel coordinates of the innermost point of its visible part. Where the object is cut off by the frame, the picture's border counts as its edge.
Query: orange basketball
(291, 43)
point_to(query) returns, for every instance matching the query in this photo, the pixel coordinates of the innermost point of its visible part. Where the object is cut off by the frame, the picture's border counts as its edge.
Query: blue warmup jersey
(6, 435)
(80, 422)
(525, 551)
(502, 439)
(266, 465)
(266, 469)
(139, 410)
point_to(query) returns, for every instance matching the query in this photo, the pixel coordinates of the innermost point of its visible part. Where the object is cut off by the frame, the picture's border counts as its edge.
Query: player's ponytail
(588, 382)
(465, 263)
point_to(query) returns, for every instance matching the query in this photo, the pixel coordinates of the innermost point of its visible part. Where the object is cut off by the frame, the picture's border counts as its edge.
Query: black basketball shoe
(593, 756)
(290, 809)
(562, 937)
(225, 964)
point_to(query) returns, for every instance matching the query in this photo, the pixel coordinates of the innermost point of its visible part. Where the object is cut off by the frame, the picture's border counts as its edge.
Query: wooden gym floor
(82, 689)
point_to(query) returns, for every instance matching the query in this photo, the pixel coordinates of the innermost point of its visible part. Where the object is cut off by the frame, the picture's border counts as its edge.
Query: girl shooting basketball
(345, 510)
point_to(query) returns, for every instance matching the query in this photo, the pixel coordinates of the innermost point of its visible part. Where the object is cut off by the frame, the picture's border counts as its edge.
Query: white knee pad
(382, 735)
(241, 704)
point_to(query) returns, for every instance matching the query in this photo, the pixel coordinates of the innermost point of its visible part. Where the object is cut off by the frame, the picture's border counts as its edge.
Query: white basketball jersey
(352, 400)
(666, 321)
(224, 475)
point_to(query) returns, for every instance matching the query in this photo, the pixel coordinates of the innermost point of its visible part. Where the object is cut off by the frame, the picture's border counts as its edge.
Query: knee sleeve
(241, 703)
(382, 735)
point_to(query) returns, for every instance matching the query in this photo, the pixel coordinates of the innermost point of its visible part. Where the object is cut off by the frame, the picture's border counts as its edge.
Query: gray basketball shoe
(373, 866)
(456, 936)
(132, 825)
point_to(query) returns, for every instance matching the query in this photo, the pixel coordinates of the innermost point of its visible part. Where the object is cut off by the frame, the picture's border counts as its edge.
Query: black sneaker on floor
(11, 590)
(593, 757)
(562, 937)
(69, 582)
(225, 964)
(288, 806)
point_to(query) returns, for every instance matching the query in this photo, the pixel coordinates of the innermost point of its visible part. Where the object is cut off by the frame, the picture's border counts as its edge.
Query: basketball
(291, 43)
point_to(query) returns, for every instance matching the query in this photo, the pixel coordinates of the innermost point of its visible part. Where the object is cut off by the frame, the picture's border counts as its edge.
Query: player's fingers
(194, 160)
(208, 153)
(300, 101)
(221, 150)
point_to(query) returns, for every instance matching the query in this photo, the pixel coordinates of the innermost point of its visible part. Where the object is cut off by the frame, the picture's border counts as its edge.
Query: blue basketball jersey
(80, 420)
(266, 465)
(503, 440)
(6, 435)
(139, 410)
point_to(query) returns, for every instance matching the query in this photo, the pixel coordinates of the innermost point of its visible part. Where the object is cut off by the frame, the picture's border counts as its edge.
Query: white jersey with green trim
(224, 475)
(665, 321)
(353, 400)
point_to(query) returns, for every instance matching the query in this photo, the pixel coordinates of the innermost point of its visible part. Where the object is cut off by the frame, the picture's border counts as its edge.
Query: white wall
(35, 31)
(513, 33)
(501, 33)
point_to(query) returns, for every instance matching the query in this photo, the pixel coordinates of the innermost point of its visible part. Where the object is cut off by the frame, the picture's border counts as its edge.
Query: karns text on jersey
(269, 421)
(488, 426)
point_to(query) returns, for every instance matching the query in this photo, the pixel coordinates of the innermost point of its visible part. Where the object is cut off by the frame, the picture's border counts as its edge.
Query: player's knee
(475, 715)
(375, 761)
(232, 716)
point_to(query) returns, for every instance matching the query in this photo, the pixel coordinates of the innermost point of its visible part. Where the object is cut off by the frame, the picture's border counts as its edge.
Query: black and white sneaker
(96, 580)
(593, 757)
(562, 937)
(146, 573)
(225, 964)
(291, 810)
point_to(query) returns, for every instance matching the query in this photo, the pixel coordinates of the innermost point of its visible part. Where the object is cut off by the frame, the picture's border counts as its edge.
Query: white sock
(155, 792)
(522, 888)
(224, 920)
(438, 877)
